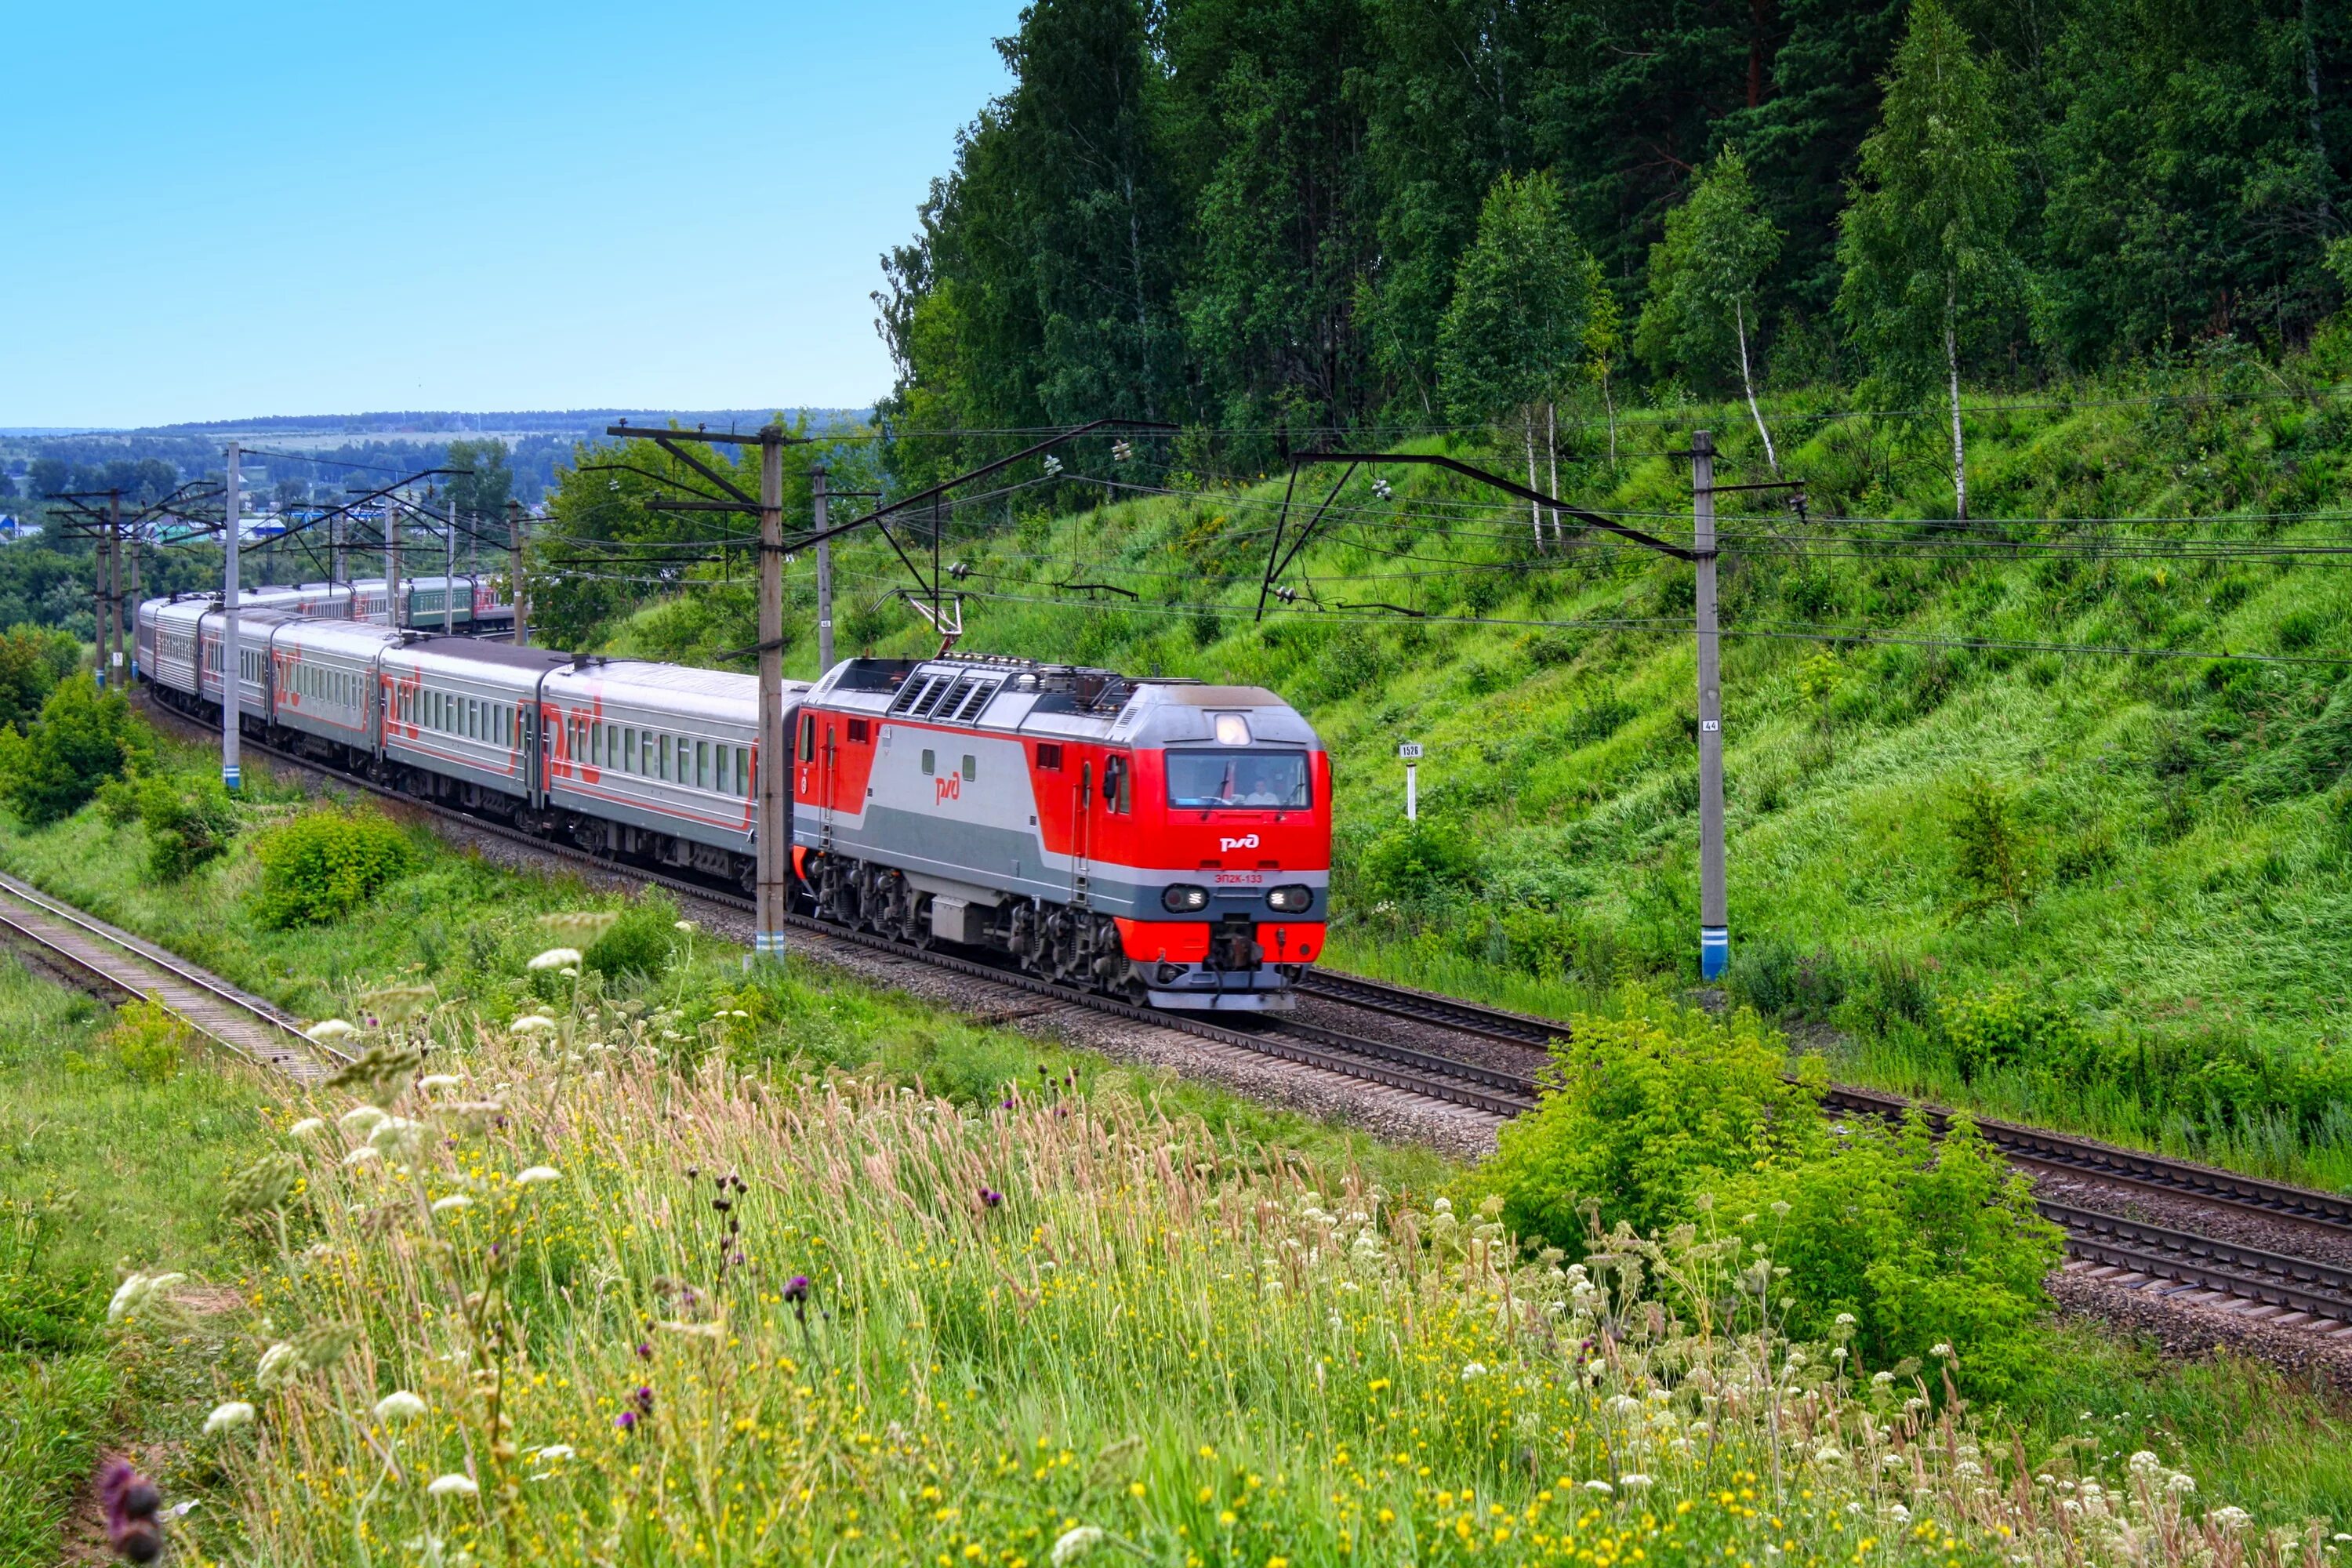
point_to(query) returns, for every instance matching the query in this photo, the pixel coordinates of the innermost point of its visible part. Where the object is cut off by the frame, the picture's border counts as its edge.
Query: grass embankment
(1113, 1301)
(2076, 888)
(577, 1300)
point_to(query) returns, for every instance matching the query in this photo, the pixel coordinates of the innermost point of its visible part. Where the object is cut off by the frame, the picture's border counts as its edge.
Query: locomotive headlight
(1184, 899)
(1296, 898)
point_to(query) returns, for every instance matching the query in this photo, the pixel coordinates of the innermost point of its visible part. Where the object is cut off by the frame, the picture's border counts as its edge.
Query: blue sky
(216, 212)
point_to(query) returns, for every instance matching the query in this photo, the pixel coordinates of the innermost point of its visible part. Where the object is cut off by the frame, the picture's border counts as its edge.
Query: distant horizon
(393, 421)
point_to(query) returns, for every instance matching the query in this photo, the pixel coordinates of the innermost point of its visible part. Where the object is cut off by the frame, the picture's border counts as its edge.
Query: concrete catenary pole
(514, 569)
(824, 575)
(774, 851)
(115, 675)
(450, 574)
(335, 577)
(1714, 922)
(232, 650)
(392, 615)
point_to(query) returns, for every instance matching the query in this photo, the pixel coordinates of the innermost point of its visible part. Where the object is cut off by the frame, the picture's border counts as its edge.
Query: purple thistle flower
(796, 1288)
(626, 1420)
(645, 1350)
(989, 1197)
(1008, 1102)
(131, 1501)
(645, 1399)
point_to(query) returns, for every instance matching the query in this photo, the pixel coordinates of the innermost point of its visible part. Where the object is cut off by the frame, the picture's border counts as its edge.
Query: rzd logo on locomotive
(1248, 841)
(949, 788)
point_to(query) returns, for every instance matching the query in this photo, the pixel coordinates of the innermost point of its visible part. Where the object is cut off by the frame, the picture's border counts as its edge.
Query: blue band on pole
(768, 941)
(1714, 951)
(228, 778)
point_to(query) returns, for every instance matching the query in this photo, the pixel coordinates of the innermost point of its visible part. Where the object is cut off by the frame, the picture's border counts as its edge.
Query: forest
(1264, 215)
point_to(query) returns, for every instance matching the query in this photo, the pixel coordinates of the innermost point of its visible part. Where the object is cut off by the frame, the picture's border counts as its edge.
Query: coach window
(743, 771)
(702, 764)
(629, 751)
(664, 768)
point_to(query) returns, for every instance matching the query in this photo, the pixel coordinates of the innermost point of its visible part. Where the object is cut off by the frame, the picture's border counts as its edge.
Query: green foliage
(326, 862)
(639, 943)
(187, 826)
(33, 659)
(1993, 852)
(1648, 1111)
(1931, 271)
(1418, 860)
(1513, 338)
(2001, 1027)
(149, 1042)
(1705, 274)
(84, 737)
(1924, 1242)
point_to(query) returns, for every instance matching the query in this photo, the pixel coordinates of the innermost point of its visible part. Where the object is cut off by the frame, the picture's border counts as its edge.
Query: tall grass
(651, 1313)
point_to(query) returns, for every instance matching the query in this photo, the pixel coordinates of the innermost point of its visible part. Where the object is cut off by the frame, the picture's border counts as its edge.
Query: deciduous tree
(1926, 244)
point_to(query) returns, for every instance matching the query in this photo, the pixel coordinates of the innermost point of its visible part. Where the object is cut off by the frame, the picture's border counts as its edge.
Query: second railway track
(2311, 1295)
(94, 954)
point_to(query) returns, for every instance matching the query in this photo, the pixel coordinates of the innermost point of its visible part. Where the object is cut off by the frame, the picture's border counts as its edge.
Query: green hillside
(2142, 940)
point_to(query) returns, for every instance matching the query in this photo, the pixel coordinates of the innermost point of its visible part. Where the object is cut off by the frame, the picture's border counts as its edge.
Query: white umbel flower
(360, 1120)
(531, 1024)
(233, 1413)
(451, 1204)
(451, 1485)
(399, 1406)
(330, 1029)
(536, 1175)
(309, 1127)
(556, 958)
(439, 1080)
(1076, 1544)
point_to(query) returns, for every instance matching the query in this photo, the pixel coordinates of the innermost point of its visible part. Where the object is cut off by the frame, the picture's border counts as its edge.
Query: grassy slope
(2185, 825)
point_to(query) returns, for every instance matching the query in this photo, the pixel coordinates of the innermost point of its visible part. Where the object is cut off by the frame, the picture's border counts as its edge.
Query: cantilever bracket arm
(1508, 487)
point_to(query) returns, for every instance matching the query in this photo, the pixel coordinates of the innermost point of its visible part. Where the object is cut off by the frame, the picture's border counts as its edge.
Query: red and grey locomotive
(1162, 839)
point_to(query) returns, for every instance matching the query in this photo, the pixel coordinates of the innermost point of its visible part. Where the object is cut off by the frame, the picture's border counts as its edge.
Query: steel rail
(2032, 1146)
(2234, 1268)
(1440, 1078)
(300, 1049)
(2298, 1284)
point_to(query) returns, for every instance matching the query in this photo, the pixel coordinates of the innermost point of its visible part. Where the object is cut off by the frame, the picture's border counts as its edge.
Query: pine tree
(1926, 243)
(1704, 280)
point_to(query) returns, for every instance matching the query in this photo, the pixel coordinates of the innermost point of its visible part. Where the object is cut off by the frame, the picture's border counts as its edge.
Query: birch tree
(1513, 340)
(1704, 278)
(1925, 242)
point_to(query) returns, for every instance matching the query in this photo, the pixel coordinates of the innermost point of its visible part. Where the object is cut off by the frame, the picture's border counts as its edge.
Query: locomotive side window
(1115, 782)
(1238, 781)
(1049, 755)
(929, 761)
(808, 737)
(970, 767)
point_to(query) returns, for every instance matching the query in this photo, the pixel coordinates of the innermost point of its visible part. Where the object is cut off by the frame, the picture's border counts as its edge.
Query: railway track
(2309, 1294)
(96, 954)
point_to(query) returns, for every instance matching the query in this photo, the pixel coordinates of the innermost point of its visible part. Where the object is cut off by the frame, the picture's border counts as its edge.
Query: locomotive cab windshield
(1238, 781)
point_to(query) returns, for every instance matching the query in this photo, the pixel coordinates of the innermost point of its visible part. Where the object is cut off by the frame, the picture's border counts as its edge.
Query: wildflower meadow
(553, 1289)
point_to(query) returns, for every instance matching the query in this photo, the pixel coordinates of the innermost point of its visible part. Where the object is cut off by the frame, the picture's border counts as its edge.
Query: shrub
(639, 942)
(33, 659)
(1993, 852)
(147, 1041)
(186, 829)
(1985, 1030)
(1647, 1111)
(1924, 1242)
(1418, 860)
(84, 738)
(324, 864)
